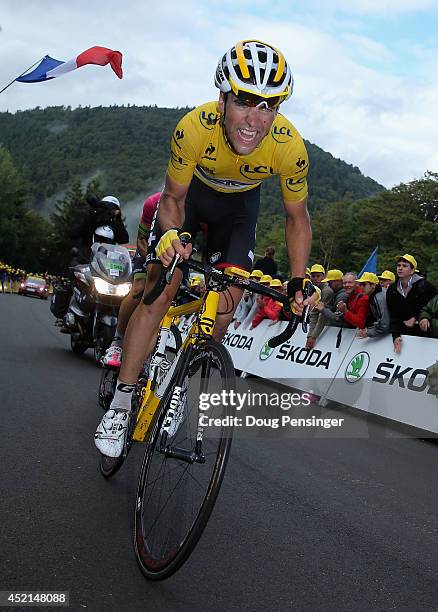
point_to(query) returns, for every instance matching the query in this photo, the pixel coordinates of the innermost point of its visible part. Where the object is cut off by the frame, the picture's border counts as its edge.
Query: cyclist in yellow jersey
(220, 154)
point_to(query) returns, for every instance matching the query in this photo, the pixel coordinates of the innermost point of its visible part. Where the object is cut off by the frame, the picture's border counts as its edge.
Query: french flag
(50, 68)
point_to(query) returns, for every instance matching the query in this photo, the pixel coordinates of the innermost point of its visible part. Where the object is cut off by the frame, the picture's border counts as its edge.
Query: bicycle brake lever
(185, 238)
(305, 317)
(171, 269)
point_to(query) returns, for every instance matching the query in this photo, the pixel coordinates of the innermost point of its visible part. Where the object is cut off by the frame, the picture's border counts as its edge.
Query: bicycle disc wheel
(183, 464)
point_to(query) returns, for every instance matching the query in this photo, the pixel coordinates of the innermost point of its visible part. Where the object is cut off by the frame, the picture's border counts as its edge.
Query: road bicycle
(186, 450)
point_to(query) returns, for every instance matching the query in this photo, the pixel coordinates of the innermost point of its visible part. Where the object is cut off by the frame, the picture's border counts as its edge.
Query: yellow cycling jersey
(199, 148)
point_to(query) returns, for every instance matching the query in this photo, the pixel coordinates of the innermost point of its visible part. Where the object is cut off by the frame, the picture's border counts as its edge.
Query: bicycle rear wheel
(183, 464)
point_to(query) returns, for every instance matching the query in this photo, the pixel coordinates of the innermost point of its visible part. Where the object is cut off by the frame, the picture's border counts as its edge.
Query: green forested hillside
(127, 148)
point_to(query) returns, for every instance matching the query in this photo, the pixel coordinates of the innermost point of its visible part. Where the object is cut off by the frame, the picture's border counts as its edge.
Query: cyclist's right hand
(170, 244)
(301, 293)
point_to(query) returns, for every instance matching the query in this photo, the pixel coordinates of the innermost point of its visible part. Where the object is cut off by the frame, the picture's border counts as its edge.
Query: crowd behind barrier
(402, 304)
(364, 373)
(371, 342)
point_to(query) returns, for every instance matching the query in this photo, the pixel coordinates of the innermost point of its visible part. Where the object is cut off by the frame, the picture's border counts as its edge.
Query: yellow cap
(369, 277)
(333, 275)
(408, 258)
(388, 275)
(276, 282)
(256, 274)
(266, 278)
(317, 268)
(307, 271)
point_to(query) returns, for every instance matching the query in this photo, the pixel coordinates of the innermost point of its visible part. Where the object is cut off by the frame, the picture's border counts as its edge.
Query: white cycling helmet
(104, 233)
(257, 68)
(111, 200)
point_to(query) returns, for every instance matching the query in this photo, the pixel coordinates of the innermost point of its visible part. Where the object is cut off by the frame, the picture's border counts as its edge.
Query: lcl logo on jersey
(281, 133)
(295, 184)
(208, 120)
(254, 172)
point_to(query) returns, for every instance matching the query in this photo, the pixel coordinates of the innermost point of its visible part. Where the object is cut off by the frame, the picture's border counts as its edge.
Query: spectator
(247, 302)
(406, 298)
(243, 308)
(3, 278)
(256, 275)
(379, 323)
(265, 279)
(355, 309)
(316, 318)
(386, 278)
(317, 274)
(331, 315)
(428, 318)
(269, 308)
(267, 264)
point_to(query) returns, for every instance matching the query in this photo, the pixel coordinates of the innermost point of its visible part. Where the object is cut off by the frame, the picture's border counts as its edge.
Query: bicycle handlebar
(225, 280)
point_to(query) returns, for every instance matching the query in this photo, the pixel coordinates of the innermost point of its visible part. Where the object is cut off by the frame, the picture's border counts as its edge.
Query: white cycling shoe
(113, 357)
(111, 433)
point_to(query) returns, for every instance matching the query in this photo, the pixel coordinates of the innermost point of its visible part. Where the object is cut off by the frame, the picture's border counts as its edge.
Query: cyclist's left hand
(170, 244)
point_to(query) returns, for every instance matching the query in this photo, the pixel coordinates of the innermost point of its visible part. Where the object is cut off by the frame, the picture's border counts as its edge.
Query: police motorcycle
(98, 290)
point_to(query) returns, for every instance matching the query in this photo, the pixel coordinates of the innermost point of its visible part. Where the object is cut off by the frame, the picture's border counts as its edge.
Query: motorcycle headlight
(103, 287)
(123, 289)
(106, 288)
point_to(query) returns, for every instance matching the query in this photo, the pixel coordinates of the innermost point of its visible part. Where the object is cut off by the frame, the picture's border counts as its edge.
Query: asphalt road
(301, 524)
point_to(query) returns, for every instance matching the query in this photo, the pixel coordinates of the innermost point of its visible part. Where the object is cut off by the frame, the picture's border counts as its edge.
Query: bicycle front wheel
(184, 462)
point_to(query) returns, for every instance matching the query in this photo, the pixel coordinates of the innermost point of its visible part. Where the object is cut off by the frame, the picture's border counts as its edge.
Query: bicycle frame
(207, 307)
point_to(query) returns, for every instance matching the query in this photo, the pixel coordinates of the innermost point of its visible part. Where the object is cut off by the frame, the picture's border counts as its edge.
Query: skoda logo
(357, 367)
(265, 352)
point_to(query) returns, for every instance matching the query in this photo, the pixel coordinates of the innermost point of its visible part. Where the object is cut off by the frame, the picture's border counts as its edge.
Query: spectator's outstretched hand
(410, 322)
(425, 325)
(398, 345)
(310, 343)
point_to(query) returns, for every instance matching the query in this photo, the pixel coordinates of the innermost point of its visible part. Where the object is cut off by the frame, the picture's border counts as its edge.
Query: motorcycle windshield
(111, 262)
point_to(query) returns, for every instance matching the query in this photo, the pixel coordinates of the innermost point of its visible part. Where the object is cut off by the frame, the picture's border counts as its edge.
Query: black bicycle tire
(102, 342)
(191, 539)
(109, 466)
(76, 345)
(103, 400)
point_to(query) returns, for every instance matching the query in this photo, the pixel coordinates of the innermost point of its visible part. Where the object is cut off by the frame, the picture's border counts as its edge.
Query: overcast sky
(366, 71)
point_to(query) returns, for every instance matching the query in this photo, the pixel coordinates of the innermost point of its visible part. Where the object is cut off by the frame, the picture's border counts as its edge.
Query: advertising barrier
(365, 374)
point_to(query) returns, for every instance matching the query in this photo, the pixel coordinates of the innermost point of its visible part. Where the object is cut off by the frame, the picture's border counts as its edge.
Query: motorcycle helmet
(104, 234)
(111, 200)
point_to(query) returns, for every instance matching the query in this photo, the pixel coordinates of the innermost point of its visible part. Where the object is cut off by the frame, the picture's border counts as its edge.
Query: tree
(68, 214)
(23, 233)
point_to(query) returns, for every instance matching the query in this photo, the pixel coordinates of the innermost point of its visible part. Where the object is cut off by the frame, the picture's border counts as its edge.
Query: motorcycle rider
(104, 212)
(104, 223)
